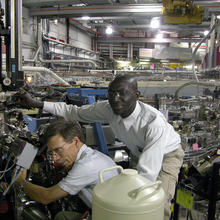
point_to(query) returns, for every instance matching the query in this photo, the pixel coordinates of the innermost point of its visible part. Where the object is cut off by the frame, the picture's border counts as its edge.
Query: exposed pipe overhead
(69, 45)
(35, 57)
(77, 24)
(98, 10)
(146, 40)
(80, 60)
(122, 17)
(31, 3)
(139, 72)
(68, 61)
(198, 45)
(195, 27)
(105, 9)
(207, 3)
(35, 3)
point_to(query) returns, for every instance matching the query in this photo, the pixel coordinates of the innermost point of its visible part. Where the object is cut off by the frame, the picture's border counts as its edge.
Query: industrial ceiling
(130, 20)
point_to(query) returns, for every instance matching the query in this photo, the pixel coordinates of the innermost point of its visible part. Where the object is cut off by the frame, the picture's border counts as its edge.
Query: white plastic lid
(115, 194)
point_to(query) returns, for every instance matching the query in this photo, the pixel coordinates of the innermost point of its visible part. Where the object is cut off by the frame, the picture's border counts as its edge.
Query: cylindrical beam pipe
(197, 47)
(43, 69)
(68, 61)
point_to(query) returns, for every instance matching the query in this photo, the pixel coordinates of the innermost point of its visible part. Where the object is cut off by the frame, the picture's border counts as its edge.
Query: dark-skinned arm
(26, 100)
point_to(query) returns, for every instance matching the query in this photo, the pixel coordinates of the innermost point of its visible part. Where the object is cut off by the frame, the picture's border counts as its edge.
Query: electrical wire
(192, 155)
(17, 173)
(5, 171)
(6, 167)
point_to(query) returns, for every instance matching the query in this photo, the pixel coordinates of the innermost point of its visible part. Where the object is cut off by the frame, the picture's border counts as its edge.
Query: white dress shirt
(83, 175)
(146, 132)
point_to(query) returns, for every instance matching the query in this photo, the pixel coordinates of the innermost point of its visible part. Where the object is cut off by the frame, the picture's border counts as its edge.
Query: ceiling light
(164, 61)
(131, 68)
(155, 22)
(85, 18)
(205, 33)
(159, 37)
(145, 60)
(188, 67)
(152, 9)
(123, 63)
(79, 5)
(108, 30)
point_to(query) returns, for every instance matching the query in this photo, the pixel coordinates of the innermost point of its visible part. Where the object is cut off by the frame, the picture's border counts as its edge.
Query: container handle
(108, 169)
(134, 193)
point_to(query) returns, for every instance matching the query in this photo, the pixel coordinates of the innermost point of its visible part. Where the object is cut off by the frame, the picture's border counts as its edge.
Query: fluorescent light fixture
(164, 61)
(108, 30)
(152, 9)
(155, 22)
(123, 63)
(218, 16)
(131, 68)
(145, 60)
(159, 37)
(206, 32)
(79, 5)
(85, 18)
(188, 67)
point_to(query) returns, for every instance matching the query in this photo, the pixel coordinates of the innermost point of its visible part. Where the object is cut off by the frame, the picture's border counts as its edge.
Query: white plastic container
(128, 196)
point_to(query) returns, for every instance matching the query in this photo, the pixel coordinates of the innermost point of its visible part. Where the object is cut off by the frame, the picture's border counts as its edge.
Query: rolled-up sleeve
(77, 179)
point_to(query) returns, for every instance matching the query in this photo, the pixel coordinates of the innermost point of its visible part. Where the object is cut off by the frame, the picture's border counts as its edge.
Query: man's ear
(138, 94)
(77, 140)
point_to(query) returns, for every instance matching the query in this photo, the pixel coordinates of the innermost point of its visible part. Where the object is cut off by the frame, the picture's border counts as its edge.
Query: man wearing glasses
(65, 142)
(153, 142)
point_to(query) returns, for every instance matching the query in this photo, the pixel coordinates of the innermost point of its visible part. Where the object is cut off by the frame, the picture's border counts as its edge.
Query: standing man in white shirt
(150, 138)
(66, 147)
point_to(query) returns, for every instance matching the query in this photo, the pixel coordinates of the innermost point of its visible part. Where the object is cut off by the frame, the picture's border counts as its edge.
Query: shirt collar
(82, 149)
(131, 119)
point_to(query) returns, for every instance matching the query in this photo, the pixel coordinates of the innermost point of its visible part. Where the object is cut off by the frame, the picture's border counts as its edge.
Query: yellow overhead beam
(181, 12)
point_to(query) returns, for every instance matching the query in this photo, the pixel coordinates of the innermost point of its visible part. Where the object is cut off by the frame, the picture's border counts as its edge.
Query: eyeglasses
(117, 94)
(57, 151)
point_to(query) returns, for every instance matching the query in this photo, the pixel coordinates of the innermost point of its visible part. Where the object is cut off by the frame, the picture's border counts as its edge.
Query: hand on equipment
(25, 100)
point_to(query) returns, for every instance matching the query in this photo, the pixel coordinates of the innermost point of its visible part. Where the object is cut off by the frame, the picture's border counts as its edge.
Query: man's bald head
(125, 79)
